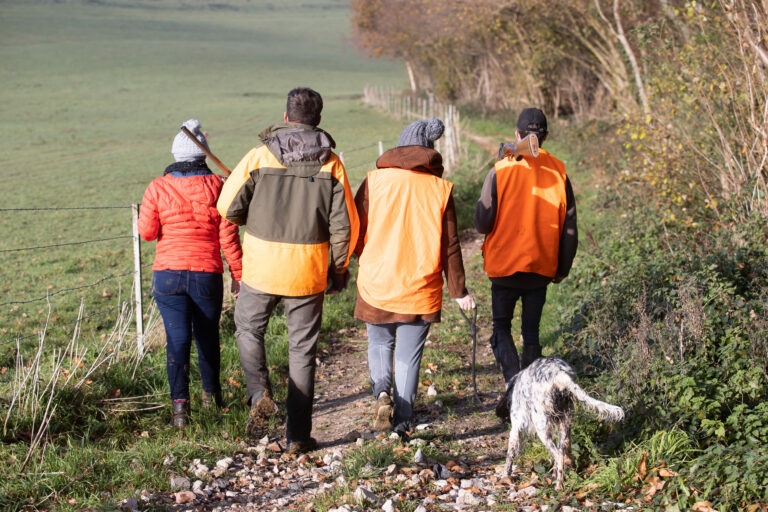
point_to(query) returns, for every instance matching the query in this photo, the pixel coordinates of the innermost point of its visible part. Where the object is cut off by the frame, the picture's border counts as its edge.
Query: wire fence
(56, 318)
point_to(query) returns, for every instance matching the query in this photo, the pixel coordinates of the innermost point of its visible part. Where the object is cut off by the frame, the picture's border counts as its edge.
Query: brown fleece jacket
(420, 159)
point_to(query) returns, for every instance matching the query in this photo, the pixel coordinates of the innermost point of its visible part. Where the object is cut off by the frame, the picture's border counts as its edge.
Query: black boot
(530, 354)
(180, 414)
(506, 354)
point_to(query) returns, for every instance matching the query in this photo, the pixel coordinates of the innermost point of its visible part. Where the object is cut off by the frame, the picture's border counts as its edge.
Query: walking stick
(206, 150)
(473, 331)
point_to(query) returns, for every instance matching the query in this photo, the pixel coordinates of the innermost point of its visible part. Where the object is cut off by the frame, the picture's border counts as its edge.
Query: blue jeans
(190, 302)
(407, 351)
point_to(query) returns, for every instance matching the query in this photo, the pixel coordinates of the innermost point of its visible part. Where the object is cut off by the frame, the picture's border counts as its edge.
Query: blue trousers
(407, 360)
(190, 303)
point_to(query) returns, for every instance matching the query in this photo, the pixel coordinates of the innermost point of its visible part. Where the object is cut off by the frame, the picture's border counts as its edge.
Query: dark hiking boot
(530, 354)
(212, 400)
(382, 413)
(180, 413)
(298, 447)
(261, 412)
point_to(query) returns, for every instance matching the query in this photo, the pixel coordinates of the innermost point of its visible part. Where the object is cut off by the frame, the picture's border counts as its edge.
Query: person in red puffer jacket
(179, 210)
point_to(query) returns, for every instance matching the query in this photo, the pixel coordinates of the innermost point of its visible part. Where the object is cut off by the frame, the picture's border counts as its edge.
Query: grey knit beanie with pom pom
(421, 133)
(183, 149)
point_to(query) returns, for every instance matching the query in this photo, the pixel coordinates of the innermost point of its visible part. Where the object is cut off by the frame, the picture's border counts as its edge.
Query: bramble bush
(680, 325)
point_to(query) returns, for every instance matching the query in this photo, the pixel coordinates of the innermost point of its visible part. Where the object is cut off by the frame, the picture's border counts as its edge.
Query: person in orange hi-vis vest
(528, 213)
(408, 238)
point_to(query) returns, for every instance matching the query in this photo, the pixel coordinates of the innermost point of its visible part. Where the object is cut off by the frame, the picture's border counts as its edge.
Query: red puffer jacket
(179, 209)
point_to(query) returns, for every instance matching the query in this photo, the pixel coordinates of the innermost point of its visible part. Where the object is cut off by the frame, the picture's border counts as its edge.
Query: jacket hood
(298, 144)
(413, 158)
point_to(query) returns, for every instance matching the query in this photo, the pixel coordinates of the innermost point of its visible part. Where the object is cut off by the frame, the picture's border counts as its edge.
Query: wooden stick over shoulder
(206, 150)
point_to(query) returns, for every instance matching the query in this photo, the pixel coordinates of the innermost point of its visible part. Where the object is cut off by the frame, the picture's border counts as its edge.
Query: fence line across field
(125, 207)
(65, 244)
(409, 108)
(101, 313)
(136, 272)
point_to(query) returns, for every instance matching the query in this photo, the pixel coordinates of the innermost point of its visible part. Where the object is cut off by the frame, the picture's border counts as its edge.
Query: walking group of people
(302, 224)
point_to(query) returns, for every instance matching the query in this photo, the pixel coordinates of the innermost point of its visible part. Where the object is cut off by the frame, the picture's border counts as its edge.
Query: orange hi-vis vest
(529, 217)
(400, 267)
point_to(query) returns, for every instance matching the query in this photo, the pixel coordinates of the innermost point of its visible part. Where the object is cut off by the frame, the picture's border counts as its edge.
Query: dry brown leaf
(529, 483)
(642, 468)
(655, 484)
(665, 473)
(703, 506)
(3, 370)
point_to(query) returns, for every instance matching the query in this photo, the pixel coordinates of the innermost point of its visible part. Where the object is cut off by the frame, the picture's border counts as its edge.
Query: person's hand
(467, 303)
(557, 278)
(339, 280)
(235, 288)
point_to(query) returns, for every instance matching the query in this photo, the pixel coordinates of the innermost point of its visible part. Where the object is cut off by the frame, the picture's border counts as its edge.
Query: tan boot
(382, 413)
(262, 410)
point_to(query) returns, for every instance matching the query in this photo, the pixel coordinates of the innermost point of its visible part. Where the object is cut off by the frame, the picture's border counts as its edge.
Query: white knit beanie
(421, 133)
(183, 149)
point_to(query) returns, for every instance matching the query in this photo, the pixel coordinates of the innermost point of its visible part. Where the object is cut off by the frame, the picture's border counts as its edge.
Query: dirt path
(261, 477)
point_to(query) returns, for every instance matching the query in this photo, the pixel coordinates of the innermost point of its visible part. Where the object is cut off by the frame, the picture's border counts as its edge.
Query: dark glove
(557, 278)
(338, 280)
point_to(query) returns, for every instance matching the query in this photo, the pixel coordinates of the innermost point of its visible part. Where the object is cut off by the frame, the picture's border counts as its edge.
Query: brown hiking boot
(382, 413)
(258, 419)
(180, 414)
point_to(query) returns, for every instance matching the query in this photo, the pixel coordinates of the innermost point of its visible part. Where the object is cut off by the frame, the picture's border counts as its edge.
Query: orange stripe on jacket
(400, 267)
(529, 219)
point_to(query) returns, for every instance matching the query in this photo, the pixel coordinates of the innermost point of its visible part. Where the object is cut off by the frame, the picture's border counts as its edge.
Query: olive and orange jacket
(179, 210)
(408, 237)
(528, 212)
(292, 195)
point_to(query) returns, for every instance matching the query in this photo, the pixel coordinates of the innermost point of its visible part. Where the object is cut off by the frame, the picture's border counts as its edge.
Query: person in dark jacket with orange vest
(408, 238)
(528, 213)
(179, 210)
(292, 195)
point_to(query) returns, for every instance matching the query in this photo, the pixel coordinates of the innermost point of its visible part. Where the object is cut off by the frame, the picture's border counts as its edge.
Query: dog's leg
(565, 441)
(544, 431)
(515, 445)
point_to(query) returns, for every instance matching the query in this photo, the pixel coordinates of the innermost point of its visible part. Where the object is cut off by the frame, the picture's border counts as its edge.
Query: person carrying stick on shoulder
(528, 213)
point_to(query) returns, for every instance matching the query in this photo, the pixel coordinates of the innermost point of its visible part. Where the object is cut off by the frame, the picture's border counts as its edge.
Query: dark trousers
(303, 316)
(503, 302)
(190, 303)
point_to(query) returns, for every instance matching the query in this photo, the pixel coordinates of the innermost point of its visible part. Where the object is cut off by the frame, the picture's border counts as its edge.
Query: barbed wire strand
(64, 208)
(64, 290)
(102, 312)
(65, 244)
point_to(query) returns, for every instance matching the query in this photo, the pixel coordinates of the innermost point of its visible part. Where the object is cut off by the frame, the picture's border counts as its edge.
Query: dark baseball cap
(532, 120)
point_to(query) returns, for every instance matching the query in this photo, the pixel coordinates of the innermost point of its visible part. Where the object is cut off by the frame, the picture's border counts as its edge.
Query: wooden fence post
(137, 281)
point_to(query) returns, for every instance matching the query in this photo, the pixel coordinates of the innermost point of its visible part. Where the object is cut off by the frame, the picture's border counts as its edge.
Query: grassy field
(92, 97)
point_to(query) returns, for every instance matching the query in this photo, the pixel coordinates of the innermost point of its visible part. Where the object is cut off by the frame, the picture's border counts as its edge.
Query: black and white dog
(541, 400)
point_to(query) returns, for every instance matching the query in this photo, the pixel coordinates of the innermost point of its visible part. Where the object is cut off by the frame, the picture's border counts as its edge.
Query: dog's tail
(604, 410)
